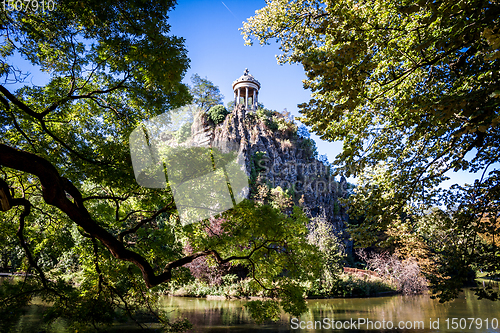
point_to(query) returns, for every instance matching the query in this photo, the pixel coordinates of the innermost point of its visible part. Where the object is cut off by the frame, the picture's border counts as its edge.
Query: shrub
(405, 274)
(206, 269)
(281, 200)
(231, 287)
(258, 165)
(264, 114)
(286, 144)
(286, 126)
(309, 146)
(268, 117)
(217, 113)
(250, 117)
(272, 124)
(350, 285)
(347, 285)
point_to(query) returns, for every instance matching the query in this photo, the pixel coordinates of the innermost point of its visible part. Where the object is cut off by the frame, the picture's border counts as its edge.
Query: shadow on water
(218, 316)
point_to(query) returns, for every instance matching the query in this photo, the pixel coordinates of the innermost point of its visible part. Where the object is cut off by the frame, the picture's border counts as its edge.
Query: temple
(246, 91)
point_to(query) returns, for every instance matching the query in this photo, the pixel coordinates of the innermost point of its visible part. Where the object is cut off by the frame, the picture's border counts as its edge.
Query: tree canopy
(412, 89)
(73, 214)
(205, 93)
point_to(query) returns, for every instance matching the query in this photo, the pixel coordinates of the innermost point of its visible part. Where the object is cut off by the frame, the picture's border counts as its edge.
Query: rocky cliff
(275, 156)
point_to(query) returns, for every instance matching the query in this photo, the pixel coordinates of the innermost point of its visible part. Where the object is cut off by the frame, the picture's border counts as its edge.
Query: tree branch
(144, 221)
(54, 189)
(20, 234)
(19, 104)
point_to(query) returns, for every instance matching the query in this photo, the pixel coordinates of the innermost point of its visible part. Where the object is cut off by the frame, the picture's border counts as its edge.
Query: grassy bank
(345, 285)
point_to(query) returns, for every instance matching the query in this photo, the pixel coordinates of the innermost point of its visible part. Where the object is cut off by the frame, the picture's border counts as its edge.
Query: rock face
(277, 157)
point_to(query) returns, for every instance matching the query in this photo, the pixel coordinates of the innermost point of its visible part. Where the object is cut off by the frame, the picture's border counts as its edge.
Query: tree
(323, 235)
(64, 155)
(412, 89)
(205, 93)
(184, 132)
(230, 106)
(272, 245)
(72, 213)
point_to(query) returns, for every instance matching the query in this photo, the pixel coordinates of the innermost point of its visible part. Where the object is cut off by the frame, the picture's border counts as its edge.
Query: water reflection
(216, 316)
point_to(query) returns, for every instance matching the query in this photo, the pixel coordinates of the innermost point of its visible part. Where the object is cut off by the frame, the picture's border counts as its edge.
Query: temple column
(234, 93)
(250, 95)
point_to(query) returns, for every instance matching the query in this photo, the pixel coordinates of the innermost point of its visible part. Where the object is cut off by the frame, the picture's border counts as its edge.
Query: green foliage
(230, 288)
(183, 133)
(336, 208)
(322, 235)
(309, 146)
(292, 298)
(354, 286)
(272, 125)
(259, 159)
(257, 165)
(450, 236)
(264, 310)
(412, 91)
(286, 126)
(278, 244)
(217, 113)
(95, 242)
(263, 113)
(267, 116)
(205, 93)
(230, 106)
(276, 121)
(340, 285)
(325, 279)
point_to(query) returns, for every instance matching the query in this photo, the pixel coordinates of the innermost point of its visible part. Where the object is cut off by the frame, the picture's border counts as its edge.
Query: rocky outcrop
(276, 156)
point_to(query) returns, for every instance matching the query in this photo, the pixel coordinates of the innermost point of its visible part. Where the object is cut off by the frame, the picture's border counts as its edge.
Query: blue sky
(217, 52)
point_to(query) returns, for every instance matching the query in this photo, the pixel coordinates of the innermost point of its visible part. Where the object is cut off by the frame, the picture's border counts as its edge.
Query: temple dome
(246, 77)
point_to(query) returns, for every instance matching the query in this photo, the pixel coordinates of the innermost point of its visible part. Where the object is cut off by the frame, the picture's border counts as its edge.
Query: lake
(378, 314)
(216, 316)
